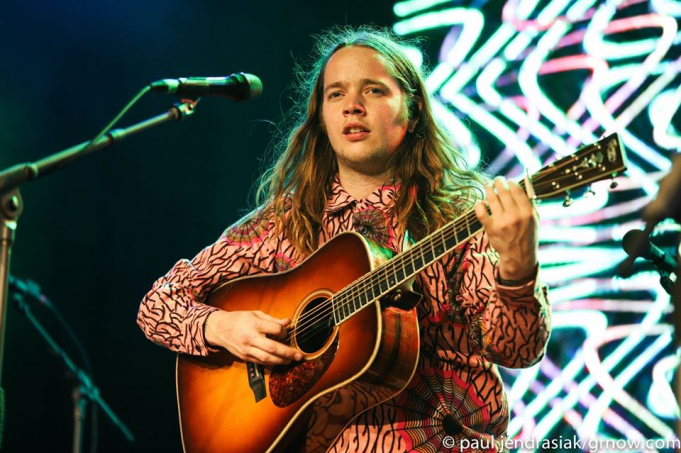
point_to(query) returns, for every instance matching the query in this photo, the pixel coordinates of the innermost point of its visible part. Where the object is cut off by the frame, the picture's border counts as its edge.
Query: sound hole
(314, 326)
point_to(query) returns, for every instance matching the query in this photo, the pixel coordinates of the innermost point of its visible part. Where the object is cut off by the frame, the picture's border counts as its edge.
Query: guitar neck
(404, 266)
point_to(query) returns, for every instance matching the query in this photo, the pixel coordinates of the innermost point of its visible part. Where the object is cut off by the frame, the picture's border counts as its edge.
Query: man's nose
(354, 107)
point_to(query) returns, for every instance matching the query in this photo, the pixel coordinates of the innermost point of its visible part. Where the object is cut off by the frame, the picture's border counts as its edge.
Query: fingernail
(503, 181)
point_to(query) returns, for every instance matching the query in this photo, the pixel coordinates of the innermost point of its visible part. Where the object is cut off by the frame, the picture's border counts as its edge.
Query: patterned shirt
(469, 323)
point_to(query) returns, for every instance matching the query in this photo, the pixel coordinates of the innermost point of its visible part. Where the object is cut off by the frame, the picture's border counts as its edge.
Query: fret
(382, 285)
(363, 298)
(390, 275)
(369, 293)
(410, 267)
(439, 246)
(346, 310)
(419, 262)
(451, 235)
(475, 226)
(400, 272)
(334, 310)
(452, 240)
(369, 297)
(428, 255)
(356, 305)
(468, 225)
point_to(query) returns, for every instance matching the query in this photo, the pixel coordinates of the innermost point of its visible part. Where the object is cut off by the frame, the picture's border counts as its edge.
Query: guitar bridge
(256, 381)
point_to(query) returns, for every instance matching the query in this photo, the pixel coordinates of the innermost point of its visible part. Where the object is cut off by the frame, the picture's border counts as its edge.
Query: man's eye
(334, 95)
(375, 91)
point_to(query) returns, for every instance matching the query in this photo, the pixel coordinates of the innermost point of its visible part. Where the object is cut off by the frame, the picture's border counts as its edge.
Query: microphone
(637, 244)
(237, 87)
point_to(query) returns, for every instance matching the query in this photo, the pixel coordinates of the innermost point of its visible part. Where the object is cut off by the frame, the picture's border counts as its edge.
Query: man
(368, 155)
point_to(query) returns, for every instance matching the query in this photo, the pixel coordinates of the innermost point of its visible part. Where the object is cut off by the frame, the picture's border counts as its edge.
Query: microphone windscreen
(636, 243)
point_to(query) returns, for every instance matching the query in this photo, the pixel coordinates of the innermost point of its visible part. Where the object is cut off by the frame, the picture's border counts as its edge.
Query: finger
(529, 187)
(481, 213)
(276, 349)
(504, 194)
(283, 322)
(263, 315)
(271, 328)
(493, 202)
(520, 198)
(263, 358)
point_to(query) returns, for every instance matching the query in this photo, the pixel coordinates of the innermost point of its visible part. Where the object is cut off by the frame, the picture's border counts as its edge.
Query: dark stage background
(96, 234)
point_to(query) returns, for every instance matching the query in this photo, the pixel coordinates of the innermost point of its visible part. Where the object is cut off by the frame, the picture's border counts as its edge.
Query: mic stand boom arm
(11, 204)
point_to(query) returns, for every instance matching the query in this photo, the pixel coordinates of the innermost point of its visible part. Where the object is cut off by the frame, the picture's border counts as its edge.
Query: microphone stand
(11, 203)
(83, 389)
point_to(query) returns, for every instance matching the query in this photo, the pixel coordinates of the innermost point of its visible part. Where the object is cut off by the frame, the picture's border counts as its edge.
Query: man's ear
(414, 113)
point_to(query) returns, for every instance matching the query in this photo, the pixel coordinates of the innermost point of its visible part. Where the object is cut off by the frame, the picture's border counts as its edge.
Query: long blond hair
(436, 186)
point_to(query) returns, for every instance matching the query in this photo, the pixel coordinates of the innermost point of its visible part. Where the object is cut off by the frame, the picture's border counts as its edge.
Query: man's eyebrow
(363, 81)
(373, 82)
(333, 85)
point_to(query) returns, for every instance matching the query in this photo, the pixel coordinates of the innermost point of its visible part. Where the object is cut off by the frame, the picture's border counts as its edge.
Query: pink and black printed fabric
(469, 324)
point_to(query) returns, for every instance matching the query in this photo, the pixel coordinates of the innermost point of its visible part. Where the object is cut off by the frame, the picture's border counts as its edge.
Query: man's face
(363, 110)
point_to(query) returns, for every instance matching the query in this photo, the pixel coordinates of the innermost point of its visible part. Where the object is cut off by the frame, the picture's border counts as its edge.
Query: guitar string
(349, 295)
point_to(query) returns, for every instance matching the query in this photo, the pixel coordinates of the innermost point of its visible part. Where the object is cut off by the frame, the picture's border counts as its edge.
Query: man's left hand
(511, 226)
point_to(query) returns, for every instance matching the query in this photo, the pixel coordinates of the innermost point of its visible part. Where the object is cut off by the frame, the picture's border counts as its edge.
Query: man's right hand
(251, 336)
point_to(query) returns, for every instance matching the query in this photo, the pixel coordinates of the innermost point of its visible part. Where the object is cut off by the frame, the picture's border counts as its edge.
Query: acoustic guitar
(353, 318)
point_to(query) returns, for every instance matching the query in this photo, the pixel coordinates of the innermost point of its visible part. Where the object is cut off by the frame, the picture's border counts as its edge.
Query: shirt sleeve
(173, 312)
(509, 324)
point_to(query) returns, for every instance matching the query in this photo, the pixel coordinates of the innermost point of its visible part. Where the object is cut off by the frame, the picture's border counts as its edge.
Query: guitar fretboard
(404, 266)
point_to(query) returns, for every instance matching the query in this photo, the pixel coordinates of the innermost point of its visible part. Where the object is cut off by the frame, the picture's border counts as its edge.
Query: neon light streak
(666, 7)
(613, 388)
(661, 393)
(611, 212)
(620, 352)
(512, 110)
(503, 132)
(402, 9)
(666, 106)
(610, 416)
(460, 132)
(563, 320)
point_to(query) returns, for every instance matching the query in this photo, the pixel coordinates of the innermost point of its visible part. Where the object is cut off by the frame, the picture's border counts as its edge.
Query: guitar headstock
(604, 159)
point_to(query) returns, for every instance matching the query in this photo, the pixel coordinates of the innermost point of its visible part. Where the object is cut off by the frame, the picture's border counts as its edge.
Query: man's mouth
(354, 129)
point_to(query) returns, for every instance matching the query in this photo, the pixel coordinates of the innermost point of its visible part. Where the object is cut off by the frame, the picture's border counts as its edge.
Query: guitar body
(375, 350)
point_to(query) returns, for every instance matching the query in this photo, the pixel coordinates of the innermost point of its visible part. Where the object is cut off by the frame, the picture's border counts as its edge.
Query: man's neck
(360, 185)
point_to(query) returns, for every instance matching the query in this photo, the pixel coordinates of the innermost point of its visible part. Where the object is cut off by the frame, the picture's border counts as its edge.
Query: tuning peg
(589, 192)
(613, 183)
(568, 201)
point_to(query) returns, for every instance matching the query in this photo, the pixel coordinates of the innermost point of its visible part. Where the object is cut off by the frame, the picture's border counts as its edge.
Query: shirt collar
(382, 197)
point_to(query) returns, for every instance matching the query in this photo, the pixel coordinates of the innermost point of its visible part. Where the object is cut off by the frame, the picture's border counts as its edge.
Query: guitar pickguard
(288, 383)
